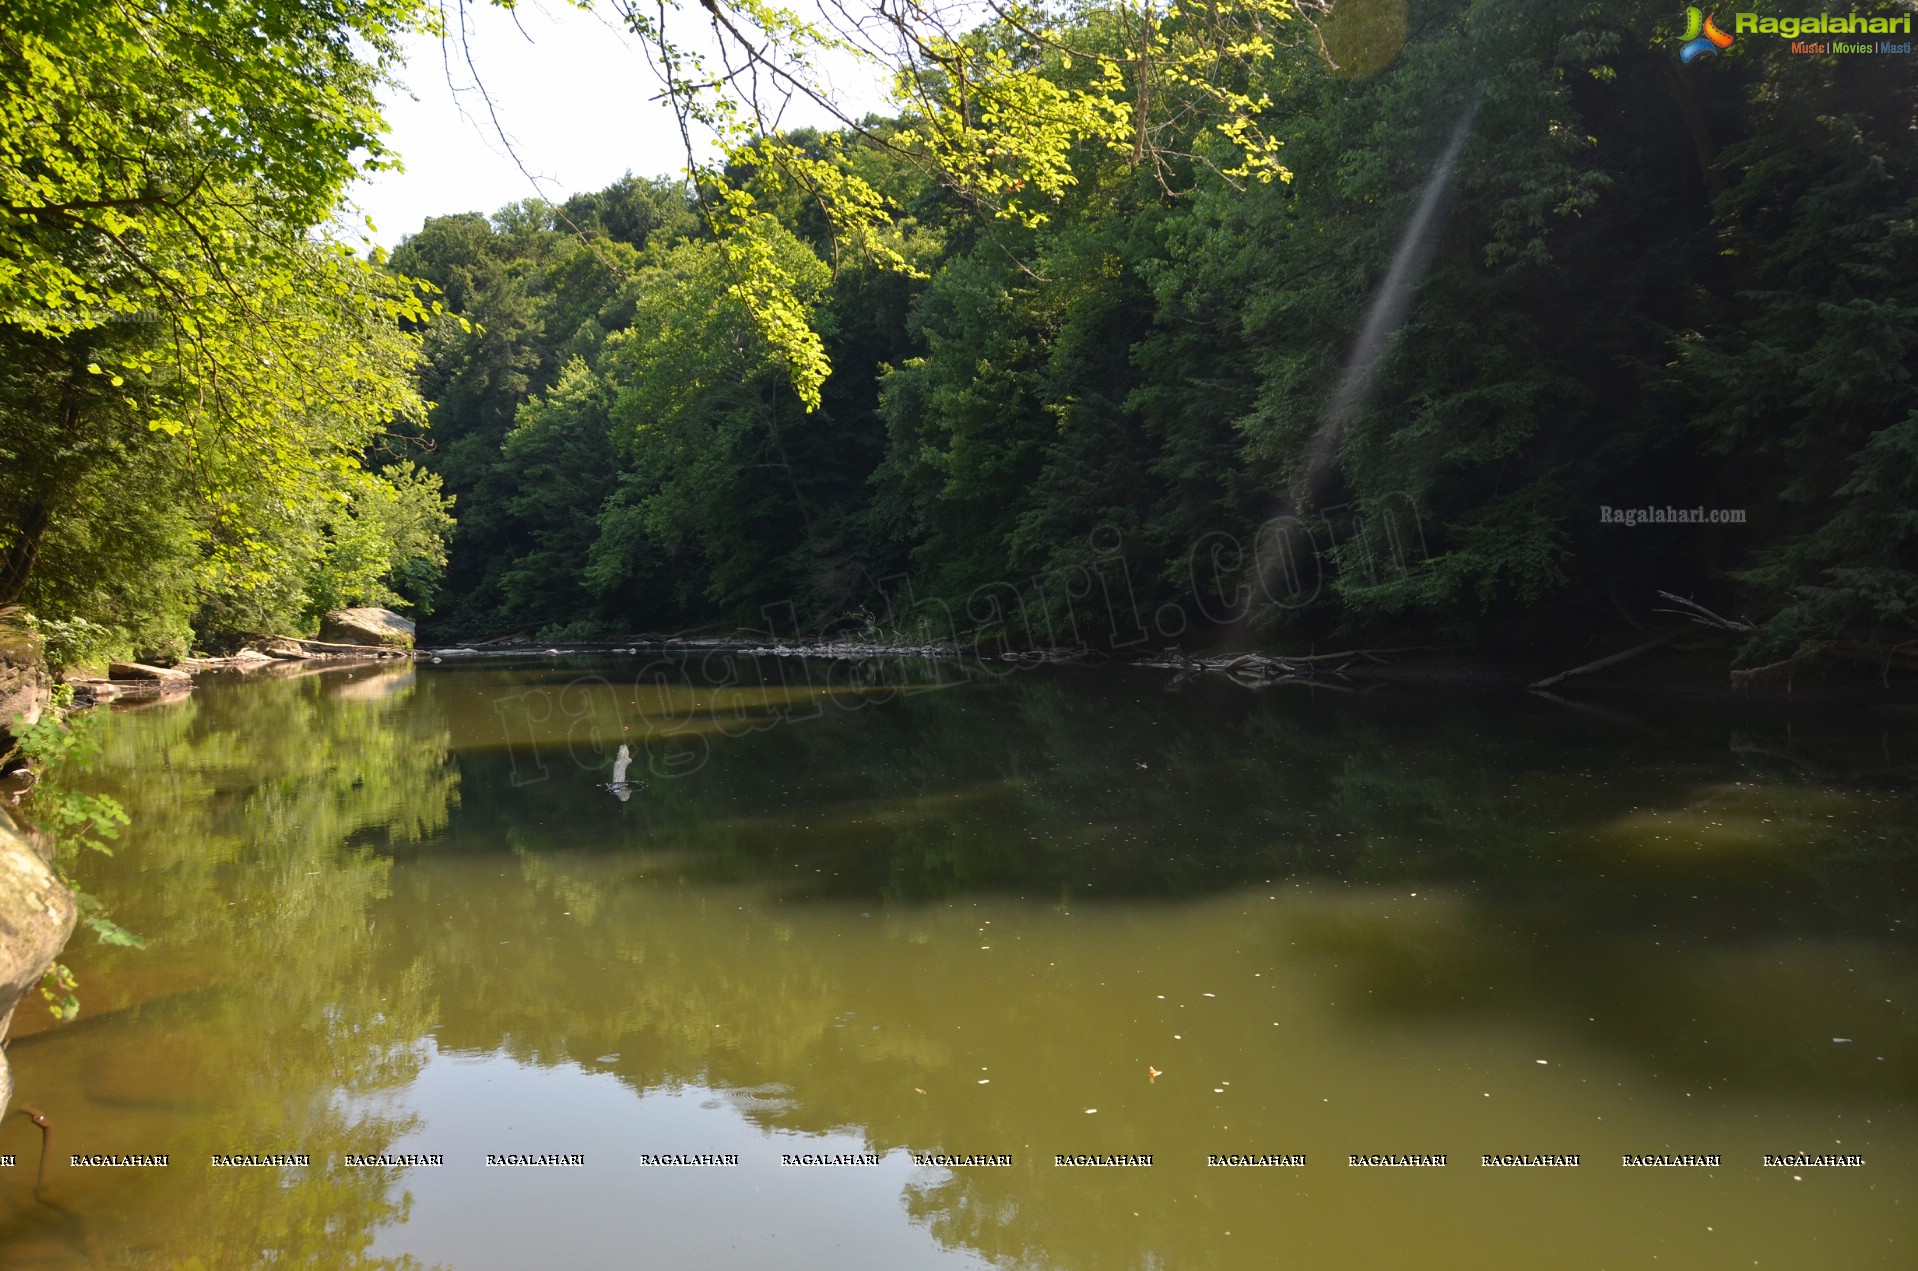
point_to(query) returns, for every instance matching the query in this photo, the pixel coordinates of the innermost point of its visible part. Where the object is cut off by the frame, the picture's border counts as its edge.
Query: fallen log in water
(1602, 663)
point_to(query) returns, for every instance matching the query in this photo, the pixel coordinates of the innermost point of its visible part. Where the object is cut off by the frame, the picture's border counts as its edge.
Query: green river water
(885, 909)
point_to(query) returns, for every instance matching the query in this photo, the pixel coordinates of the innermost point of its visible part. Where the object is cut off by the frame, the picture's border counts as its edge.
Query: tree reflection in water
(262, 819)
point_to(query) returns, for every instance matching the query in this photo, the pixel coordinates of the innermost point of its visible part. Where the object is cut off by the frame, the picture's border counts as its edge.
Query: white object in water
(621, 762)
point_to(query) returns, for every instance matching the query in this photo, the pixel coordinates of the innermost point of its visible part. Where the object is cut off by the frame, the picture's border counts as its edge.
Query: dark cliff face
(37, 914)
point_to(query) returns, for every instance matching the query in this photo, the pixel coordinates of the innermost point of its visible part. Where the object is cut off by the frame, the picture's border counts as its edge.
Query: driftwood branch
(365, 650)
(1887, 658)
(328, 646)
(1370, 655)
(1612, 660)
(1705, 617)
(1257, 670)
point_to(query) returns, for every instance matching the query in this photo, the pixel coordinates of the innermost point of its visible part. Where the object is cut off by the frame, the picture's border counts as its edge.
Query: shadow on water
(1569, 850)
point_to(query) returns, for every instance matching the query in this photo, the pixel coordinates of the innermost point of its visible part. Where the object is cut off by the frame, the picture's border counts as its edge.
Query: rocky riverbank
(353, 635)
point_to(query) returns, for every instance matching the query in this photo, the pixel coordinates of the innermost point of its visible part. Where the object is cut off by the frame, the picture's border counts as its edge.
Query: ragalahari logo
(1702, 37)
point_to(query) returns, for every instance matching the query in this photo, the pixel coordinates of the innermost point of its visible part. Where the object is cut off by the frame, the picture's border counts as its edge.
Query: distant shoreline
(1688, 675)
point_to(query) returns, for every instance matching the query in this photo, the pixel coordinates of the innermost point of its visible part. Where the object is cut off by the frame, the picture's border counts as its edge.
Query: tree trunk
(16, 566)
(16, 563)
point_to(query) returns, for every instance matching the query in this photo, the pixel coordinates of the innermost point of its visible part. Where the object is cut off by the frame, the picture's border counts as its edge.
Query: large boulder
(380, 627)
(24, 681)
(36, 917)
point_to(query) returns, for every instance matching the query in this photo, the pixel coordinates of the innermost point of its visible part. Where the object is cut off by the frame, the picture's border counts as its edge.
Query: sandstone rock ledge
(36, 917)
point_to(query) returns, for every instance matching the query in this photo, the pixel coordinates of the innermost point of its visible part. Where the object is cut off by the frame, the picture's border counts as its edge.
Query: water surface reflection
(397, 910)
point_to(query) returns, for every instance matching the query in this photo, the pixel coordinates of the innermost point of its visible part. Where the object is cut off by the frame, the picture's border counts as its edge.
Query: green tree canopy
(194, 367)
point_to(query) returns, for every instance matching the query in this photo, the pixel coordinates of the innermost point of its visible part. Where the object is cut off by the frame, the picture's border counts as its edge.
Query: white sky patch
(571, 90)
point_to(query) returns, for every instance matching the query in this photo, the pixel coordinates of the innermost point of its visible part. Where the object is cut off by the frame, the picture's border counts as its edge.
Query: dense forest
(1377, 370)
